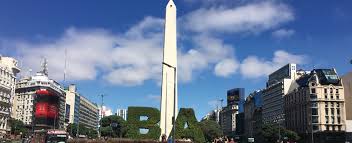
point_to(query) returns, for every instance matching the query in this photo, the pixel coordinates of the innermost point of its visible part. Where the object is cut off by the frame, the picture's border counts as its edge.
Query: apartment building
(8, 72)
(317, 107)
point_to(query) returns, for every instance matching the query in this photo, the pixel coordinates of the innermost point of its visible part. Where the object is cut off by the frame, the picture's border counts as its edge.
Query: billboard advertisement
(233, 96)
(41, 110)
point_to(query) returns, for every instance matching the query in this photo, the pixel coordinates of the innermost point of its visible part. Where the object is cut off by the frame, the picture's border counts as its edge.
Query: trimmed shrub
(134, 123)
(188, 127)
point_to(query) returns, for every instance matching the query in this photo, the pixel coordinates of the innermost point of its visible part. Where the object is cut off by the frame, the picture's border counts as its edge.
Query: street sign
(251, 140)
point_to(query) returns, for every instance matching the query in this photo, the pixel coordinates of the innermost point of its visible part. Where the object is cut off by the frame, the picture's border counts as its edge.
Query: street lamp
(174, 114)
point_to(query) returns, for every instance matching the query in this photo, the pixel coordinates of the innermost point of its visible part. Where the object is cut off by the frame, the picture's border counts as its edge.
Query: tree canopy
(113, 126)
(211, 129)
(82, 130)
(17, 127)
(271, 133)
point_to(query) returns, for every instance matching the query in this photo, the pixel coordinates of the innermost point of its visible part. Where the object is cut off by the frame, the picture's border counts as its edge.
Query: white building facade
(88, 113)
(80, 110)
(122, 113)
(25, 99)
(72, 104)
(8, 72)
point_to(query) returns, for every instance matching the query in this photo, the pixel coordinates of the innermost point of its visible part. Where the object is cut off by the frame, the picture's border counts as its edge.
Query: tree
(211, 129)
(113, 126)
(271, 133)
(83, 130)
(17, 127)
(72, 129)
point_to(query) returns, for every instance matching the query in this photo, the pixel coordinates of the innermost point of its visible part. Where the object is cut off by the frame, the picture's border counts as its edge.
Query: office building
(39, 102)
(122, 113)
(213, 115)
(88, 113)
(235, 99)
(8, 72)
(79, 110)
(279, 84)
(104, 112)
(72, 104)
(252, 114)
(317, 107)
(347, 86)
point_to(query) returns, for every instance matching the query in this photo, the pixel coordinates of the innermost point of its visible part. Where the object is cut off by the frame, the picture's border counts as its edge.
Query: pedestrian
(232, 141)
(163, 138)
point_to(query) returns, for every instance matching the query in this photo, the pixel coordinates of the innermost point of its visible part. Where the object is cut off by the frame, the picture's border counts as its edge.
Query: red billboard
(41, 109)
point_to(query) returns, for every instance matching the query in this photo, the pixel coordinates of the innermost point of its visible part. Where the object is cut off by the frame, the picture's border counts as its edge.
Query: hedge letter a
(187, 126)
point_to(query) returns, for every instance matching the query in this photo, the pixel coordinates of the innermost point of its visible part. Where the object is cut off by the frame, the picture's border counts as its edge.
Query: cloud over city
(134, 56)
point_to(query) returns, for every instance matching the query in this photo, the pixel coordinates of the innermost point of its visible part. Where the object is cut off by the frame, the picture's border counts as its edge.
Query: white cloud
(126, 59)
(253, 17)
(135, 56)
(283, 33)
(226, 67)
(254, 67)
(207, 51)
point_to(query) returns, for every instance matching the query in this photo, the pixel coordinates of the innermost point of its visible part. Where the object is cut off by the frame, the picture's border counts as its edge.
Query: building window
(315, 119)
(315, 127)
(332, 119)
(325, 90)
(314, 104)
(337, 104)
(326, 119)
(338, 111)
(338, 120)
(314, 111)
(337, 91)
(326, 111)
(313, 90)
(332, 111)
(313, 97)
(337, 97)
(331, 90)
(326, 104)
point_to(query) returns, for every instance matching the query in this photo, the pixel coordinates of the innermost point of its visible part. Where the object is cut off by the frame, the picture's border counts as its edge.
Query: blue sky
(115, 47)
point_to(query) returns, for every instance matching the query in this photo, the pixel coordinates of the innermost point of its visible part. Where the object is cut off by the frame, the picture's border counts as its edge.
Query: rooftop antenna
(29, 72)
(101, 111)
(45, 67)
(65, 66)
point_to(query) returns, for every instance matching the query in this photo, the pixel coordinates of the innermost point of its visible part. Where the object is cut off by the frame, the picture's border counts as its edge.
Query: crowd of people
(224, 140)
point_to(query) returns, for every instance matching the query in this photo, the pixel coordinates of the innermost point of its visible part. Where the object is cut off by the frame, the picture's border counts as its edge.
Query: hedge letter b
(143, 123)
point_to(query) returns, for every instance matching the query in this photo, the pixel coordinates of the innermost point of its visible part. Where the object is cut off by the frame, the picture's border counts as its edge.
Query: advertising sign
(233, 96)
(41, 109)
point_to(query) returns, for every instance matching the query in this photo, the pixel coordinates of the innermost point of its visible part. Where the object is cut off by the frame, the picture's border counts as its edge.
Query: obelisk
(169, 72)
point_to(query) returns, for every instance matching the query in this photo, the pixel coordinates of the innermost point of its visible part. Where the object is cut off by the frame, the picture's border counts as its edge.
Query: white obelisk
(169, 74)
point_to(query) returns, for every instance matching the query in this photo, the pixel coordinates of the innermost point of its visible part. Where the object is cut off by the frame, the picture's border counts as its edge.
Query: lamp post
(174, 112)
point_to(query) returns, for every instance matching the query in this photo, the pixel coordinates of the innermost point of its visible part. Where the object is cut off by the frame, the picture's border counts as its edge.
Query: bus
(56, 136)
(50, 136)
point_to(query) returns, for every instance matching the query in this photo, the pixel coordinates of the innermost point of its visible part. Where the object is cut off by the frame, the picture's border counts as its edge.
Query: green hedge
(134, 123)
(193, 131)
